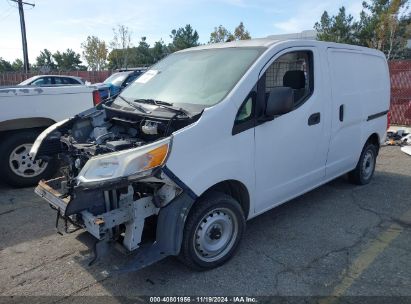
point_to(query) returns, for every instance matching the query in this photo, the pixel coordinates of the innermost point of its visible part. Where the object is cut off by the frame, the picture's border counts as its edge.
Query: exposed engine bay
(113, 181)
(103, 131)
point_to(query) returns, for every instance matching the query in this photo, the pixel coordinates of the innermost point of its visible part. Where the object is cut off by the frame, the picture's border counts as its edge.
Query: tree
(337, 28)
(221, 34)
(144, 56)
(381, 25)
(17, 65)
(240, 33)
(183, 38)
(45, 60)
(159, 51)
(121, 41)
(95, 52)
(68, 60)
(5, 66)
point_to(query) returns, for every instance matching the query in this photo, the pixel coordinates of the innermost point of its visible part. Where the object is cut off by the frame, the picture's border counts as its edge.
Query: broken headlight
(131, 163)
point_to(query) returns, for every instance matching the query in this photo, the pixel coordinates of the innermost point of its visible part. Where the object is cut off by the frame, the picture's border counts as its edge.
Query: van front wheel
(212, 232)
(363, 173)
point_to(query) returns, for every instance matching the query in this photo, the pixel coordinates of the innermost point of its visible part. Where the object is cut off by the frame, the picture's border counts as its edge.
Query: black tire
(364, 171)
(9, 143)
(212, 206)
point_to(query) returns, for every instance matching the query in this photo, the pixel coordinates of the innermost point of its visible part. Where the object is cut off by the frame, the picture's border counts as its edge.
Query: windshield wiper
(135, 106)
(164, 105)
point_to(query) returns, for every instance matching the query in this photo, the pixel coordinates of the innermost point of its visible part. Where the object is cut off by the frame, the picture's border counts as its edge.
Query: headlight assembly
(131, 163)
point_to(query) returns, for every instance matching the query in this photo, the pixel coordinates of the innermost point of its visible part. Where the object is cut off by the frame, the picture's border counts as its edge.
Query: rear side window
(58, 80)
(71, 81)
(294, 70)
(42, 81)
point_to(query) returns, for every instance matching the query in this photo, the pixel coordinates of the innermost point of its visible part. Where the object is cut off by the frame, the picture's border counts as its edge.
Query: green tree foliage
(159, 51)
(240, 33)
(337, 28)
(381, 25)
(17, 65)
(95, 53)
(68, 60)
(142, 55)
(5, 66)
(45, 60)
(143, 52)
(221, 34)
(183, 38)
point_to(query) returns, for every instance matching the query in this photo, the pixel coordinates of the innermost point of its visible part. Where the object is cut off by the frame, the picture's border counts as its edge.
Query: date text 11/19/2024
(203, 299)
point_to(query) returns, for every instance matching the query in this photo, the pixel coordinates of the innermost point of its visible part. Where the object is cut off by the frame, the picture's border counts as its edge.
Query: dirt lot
(337, 240)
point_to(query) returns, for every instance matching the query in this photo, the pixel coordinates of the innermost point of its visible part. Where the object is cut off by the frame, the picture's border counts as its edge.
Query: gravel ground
(339, 239)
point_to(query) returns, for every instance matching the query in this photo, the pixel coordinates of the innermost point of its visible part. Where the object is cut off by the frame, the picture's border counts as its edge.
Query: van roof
(268, 42)
(257, 42)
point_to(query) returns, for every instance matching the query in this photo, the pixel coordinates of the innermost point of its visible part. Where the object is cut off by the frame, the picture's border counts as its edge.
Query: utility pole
(23, 33)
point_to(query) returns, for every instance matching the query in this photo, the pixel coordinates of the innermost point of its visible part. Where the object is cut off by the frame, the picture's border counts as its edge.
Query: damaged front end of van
(114, 182)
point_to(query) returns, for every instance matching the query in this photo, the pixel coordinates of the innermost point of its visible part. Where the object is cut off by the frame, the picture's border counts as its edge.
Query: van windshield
(199, 78)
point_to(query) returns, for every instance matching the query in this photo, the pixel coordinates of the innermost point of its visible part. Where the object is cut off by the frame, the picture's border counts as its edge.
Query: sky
(58, 24)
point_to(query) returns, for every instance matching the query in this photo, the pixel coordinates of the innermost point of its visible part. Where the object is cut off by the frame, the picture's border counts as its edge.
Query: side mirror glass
(279, 102)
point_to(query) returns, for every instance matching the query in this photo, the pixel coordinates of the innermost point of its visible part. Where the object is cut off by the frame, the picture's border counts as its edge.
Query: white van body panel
(206, 153)
(360, 84)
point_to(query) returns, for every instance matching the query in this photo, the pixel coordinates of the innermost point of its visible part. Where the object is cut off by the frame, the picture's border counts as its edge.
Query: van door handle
(341, 112)
(314, 119)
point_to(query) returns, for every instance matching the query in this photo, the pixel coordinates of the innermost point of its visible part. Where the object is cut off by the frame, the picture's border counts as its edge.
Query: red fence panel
(400, 109)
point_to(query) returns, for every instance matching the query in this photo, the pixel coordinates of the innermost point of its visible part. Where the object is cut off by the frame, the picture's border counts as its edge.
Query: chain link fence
(400, 109)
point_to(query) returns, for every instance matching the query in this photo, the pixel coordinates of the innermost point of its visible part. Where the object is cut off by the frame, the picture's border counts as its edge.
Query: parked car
(118, 81)
(213, 136)
(52, 80)
(25, 112)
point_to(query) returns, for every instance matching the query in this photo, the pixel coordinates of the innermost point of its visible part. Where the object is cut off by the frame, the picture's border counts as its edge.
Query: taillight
(96, 98)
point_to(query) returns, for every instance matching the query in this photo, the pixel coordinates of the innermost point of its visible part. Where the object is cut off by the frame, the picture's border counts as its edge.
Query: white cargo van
(213, 136)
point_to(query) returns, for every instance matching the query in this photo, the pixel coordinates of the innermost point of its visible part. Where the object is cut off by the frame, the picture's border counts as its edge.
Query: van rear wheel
(364, 171)
(212, 232)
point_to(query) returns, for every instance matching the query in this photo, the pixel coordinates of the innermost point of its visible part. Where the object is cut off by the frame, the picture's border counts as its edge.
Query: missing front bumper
(131, 213)
(49, 190)
(115, 210)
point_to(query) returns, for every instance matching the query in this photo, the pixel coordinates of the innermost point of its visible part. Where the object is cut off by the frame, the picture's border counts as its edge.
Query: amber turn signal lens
(157, 157)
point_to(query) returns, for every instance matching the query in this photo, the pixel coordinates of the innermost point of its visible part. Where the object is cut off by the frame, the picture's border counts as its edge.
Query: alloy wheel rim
(22, 164)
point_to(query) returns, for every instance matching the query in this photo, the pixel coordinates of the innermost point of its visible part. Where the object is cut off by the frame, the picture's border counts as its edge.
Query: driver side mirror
(279, 102)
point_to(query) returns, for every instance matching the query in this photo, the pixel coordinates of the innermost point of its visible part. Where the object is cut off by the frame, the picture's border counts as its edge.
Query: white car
(53, 80)
(24, 113)
(213, 136)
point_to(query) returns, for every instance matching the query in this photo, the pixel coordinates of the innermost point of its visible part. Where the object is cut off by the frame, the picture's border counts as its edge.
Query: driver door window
(292, 70)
